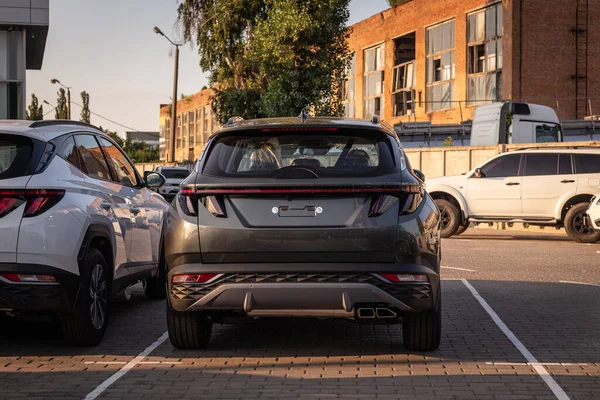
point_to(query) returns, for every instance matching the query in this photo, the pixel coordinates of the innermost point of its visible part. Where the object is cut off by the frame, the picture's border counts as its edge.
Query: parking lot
(521, 320)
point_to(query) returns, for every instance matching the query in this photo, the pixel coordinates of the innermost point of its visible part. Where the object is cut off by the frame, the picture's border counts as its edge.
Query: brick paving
(323, 359)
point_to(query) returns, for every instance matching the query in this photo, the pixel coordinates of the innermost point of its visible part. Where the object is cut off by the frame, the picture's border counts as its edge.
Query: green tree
(449, 142)
(140, 152)
(271, 57)
(35, 111)
(85, 110)
(61, 111)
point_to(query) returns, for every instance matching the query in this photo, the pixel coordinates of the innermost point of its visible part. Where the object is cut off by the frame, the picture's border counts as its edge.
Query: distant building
(150, 138)
(195, 123)
(435, 61)
(23, 33)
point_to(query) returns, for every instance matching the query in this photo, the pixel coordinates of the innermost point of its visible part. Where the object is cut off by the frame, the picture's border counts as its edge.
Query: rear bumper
(334, 290)
(54, 297)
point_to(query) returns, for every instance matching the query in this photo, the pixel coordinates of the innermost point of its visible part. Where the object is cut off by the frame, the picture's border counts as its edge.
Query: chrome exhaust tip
(365, 313)
(385, 313)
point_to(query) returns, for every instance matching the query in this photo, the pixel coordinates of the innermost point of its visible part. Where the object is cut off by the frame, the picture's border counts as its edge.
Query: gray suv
(303, 217)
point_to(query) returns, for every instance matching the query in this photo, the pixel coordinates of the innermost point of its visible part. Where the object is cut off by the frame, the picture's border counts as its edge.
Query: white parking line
(126, 368)
(580, 283)
(539, 368)
(460, 269)
(125, 362)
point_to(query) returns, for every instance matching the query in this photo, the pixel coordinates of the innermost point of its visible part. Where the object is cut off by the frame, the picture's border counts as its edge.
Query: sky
(108, 49)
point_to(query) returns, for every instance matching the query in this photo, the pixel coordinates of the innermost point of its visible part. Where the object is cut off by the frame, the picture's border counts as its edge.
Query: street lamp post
(54, 80)
(175, 79)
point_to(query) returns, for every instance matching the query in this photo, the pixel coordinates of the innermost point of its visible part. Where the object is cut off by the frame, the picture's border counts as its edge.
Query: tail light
(399, 278)
(29, 278)
(193, 278)
(188, 202)
(38, 200)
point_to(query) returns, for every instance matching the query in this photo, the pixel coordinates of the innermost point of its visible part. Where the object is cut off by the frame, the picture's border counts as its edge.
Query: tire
(449, 218)
(423, 332)
(188, 331)
(87, 325)
(461, 229)
(576, 226)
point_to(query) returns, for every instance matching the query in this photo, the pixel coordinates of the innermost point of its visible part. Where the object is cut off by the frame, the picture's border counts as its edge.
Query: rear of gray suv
(303, 218)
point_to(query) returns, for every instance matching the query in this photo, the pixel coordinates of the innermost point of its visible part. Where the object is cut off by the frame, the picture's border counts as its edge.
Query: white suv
(77, 224)
(551, 187)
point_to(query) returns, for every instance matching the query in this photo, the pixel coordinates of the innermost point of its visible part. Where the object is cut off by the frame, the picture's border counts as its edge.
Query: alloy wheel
(99, 297)
(444, 218)
(581, 225)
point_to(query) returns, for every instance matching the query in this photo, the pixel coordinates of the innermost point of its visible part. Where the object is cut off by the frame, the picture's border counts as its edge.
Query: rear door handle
(512, 184)
(134, 210)
(567, 181)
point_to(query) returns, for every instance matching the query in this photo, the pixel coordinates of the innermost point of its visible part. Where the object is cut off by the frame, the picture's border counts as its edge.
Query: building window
(184, 142)
(404, 80)
(167, 138)
(374, 59)
(191, 128)
(207, 130)
(440, 67)
(484, 55)
(178, 132)
(199, 141)
(349, 90)
(12, 71)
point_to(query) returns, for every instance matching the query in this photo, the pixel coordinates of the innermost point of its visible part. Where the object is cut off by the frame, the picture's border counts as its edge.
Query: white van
(507, 123)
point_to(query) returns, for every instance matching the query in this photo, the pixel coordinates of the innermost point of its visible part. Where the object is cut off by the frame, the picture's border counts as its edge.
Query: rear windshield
(285, 154)
(175, 173)
(15, 156)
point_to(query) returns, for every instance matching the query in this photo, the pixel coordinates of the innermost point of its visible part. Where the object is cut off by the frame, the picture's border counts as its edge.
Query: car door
(109, 201)
(132, 188)
(547, 177)
(497, 192)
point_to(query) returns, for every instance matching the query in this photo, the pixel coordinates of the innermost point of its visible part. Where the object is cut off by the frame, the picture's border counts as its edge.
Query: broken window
(484, 55)
(374, 60)
(349, 89)
(404, 79)
(440, 66)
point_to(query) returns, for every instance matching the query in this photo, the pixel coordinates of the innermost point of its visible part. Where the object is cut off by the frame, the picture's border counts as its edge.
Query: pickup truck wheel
(449, 218)
(188, 331)
(578, 227)
(423, 331)
(461, 229)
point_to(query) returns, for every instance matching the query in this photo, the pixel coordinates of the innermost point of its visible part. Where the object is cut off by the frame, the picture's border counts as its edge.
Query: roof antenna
(303, 116)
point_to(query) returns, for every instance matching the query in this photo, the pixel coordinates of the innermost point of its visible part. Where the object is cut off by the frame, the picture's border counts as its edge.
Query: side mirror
(153, 180)
(478, 173)
(419, 174)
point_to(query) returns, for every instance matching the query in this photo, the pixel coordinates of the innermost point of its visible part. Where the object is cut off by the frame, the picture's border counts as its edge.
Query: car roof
(45, 130)
(310, 122)
(569, 150)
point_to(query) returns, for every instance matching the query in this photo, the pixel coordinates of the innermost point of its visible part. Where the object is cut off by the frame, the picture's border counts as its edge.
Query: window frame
(349, 89)
(484, 76)
(434, 56)
(378, 69)
(531, 155)
(86, 172)
(576, 163)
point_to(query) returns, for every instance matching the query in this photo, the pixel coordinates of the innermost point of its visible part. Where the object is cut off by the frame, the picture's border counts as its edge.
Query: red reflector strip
(35, 205)
(300, 129)
(30, 192)
(25, 278)
(399, 278)
(192, 278)
(7, 204)
(399, 189)
(11, 277)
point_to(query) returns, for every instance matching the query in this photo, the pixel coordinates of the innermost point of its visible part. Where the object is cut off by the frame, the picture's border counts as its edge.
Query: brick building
(435, 61)
(195, 123)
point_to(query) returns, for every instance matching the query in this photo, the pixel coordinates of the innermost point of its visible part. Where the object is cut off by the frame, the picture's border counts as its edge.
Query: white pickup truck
(544, 187)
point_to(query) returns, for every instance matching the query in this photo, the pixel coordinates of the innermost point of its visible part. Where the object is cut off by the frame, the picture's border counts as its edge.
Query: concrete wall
(455, 160)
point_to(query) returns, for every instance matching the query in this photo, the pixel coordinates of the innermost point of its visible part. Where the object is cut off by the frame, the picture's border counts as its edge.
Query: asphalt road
(521, 321)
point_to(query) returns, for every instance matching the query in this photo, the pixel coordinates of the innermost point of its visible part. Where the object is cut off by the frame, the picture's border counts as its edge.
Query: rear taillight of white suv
(37, 201)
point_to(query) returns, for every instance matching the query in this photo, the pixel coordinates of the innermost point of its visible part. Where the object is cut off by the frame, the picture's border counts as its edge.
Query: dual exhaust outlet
(378, 312)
